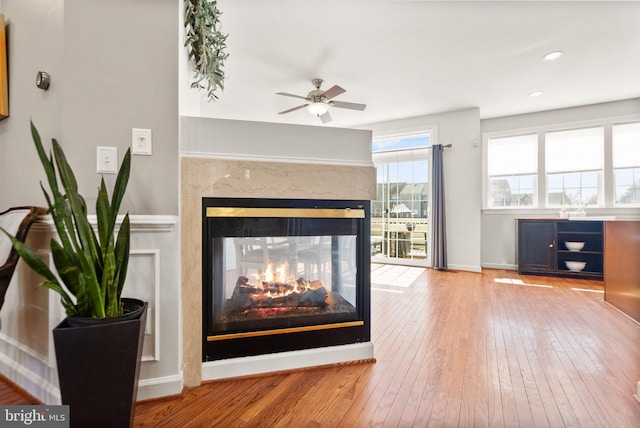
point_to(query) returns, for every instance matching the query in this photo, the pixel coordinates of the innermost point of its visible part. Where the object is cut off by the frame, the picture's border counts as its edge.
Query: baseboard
(246, 366)
(159, 387)
(500, 266)
(32, 383)
(20, 391)
(48, 393)
(477, 269)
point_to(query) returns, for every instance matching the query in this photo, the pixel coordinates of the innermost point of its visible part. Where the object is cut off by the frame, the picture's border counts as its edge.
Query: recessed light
(552, 55)
(535, 94)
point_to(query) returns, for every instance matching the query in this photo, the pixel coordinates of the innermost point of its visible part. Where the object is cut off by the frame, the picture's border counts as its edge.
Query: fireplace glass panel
(276, 277)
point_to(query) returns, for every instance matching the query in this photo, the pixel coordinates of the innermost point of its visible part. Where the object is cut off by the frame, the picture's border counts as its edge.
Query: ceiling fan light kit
(318, 108)
(319, 101)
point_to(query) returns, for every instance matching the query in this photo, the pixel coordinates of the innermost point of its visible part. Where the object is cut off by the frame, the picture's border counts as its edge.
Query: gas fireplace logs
(299, 293)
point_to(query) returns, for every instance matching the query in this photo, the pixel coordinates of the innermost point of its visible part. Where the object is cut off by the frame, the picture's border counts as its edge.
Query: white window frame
(608, 207)
(613, 169)
(600, 185)
(486, 184)
(400, 133)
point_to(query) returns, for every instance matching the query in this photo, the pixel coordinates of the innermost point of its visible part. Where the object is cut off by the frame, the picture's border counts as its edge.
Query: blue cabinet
(561, 248)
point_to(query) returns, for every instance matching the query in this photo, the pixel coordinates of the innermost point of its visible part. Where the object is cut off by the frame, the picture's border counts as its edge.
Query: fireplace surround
(283, 275)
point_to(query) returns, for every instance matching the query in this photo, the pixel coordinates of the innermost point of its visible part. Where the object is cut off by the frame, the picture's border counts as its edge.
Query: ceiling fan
(319, 101)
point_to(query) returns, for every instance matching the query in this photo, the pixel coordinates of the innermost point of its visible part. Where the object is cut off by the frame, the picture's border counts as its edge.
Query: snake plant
(91, 269)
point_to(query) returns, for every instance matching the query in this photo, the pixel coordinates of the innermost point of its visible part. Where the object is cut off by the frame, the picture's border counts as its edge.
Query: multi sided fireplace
(284, 274)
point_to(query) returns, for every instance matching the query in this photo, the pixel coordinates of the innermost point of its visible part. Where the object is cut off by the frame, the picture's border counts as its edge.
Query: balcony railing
(404, 238)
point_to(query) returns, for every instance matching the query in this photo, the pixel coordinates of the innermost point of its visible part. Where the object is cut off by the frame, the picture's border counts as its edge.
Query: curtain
(438, 224)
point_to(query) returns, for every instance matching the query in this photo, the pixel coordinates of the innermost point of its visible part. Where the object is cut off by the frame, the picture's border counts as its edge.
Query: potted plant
(99, 345)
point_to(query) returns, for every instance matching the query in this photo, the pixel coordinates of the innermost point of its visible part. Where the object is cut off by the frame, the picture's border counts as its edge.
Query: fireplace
(284, 275)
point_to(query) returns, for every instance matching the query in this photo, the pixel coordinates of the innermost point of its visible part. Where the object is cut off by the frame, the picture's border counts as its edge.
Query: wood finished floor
(453, 350)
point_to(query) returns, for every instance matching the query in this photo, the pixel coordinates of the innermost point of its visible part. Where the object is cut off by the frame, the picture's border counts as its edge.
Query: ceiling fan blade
(333, 91)
(293, 109)
(325, 117)
(352, 106)
(292, 95)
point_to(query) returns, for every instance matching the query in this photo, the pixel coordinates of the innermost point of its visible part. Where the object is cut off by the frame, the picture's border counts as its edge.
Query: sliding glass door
(400, 212)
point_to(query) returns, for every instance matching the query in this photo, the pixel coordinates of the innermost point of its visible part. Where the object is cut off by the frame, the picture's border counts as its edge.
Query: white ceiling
(412, 58)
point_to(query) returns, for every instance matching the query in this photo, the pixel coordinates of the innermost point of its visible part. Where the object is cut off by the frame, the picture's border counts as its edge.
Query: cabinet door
(536, 246)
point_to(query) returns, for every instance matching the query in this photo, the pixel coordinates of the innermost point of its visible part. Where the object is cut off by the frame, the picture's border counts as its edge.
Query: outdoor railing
(399, 237)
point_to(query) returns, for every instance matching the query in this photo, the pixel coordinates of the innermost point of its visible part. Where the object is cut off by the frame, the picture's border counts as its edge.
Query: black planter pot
(98, 366)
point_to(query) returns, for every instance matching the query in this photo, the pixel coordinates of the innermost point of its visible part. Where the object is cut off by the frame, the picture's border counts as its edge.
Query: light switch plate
(141, 141)
(107, 160)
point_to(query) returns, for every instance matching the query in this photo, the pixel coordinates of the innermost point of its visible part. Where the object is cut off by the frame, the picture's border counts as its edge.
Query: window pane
(392, 168)
(626, 145)
(527, 182)
(512, 155)
(554, 181)
(574, 163)
(626, 163)
(627, 186)
(589, 196)
(512, 191)
(573, 189)
(572, 180)
(624, 177)
(590, 180)
(399, 144)
(512, 165)
(575, 150)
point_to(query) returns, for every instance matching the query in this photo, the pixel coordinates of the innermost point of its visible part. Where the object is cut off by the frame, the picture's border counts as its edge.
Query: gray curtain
(438, 228)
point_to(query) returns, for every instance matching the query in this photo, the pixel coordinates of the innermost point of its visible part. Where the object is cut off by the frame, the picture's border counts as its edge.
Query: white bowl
(575, 266)
(574, 246)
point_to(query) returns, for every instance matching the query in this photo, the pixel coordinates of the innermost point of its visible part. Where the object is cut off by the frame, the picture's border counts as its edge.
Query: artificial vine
(206, 45)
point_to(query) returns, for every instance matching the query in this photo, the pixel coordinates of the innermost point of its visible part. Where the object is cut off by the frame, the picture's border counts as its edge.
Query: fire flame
(288, 284)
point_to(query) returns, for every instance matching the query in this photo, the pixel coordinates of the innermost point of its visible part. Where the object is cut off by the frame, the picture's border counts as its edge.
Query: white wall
(31, 312)
(462, 170)
(499, 226)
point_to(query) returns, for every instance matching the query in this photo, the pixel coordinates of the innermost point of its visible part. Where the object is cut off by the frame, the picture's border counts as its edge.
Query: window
(399, 215)
(512, 165)
(626, 163)
(596, 165)
(574, 167)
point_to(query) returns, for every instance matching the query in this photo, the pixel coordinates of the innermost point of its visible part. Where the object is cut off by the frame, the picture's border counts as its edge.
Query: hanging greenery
(206, 45)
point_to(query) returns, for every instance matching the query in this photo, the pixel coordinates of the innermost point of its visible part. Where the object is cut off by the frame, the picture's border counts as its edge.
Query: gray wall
(240, 139)
(34, 42)
(114, 66)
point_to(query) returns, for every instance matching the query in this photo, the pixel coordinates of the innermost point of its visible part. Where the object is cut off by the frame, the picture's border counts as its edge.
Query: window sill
(555, 212)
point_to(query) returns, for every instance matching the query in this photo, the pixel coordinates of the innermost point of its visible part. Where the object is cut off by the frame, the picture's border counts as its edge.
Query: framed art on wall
(4, 87)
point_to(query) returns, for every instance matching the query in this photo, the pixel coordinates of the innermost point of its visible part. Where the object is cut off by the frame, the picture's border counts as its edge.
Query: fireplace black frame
(305, 333)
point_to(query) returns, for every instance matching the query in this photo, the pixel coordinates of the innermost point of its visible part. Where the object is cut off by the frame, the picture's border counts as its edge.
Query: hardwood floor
(453, 349)
(13, 395)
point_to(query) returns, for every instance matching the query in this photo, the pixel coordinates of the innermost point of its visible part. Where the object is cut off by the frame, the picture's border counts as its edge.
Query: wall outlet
(107, 160)
(141, 141)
